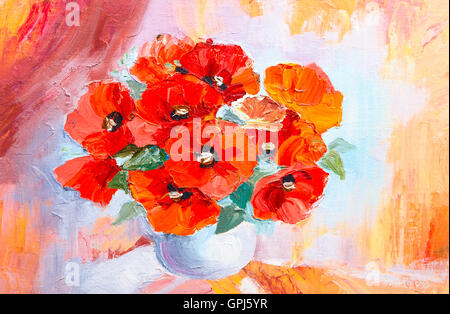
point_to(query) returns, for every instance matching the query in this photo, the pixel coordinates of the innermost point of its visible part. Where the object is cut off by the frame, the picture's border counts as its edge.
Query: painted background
(389, 217)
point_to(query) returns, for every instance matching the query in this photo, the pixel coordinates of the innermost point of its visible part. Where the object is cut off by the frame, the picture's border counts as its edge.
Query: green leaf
(128, 151)
(136, 88)
(130, 211)
(123, 74)
(333, 161)
(263, 169)
(341, 146)
(244, 192)
(242, 195)
(230, 217)
(143, 158)
(120, 181)
(236, 205)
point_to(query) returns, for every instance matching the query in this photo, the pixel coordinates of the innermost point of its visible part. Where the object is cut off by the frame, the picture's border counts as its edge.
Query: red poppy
(307, 90)
(158, 60)
(171, 208)
(216, 164)
(99, 122)
(226, 68)
(178, 99)
(290, 194)
(145, 133)
(90, 177)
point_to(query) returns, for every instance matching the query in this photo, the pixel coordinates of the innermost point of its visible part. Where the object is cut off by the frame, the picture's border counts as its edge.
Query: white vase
(206, 255)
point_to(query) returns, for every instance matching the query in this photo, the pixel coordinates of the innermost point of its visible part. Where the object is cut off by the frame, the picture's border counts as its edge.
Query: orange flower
(294, 141)
(157, 60)
(261, 111)
(90, 177)
(299, 141)
(99, 122)
(307, 90)
(290, 194)
(171, 209)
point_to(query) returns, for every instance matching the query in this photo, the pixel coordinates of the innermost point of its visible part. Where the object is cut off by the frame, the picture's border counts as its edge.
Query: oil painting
(224, 147)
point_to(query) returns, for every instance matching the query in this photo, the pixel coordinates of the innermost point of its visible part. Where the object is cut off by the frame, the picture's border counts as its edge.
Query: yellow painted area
(412, 224)
(252, 7)
(194, 17)
(18, 18)
(312, 280)
(321, 16)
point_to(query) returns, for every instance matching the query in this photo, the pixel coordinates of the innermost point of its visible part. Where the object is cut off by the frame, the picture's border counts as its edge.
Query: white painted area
(248, 285)
(125, 274)
(206, 255)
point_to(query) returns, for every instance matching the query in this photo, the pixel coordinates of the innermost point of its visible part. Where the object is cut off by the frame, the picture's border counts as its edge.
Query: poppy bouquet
(185, 132)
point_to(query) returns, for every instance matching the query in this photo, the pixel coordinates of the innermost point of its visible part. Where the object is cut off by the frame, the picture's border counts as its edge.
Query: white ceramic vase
(206, 255)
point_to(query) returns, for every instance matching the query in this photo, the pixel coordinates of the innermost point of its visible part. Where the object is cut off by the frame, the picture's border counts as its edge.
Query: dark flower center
(207, 158)
(180, 113)
(181, 70)
(217, 80)
(113, 121)
(268, 148)
(306, 175)
(288, 182)
(178, 194)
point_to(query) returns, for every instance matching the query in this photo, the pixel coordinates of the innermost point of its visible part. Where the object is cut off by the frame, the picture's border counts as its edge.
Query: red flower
(226, 68)
(216, 164)
(290, 194)
(157, 60)
(99, 122)
(90, 177)
(178, 99)
(145, 133)
(170, 208)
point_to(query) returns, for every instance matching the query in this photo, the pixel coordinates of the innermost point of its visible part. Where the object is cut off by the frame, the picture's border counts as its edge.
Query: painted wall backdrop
(384, 229)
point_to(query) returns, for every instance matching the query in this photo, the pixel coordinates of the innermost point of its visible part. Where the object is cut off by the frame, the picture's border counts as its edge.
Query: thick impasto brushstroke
(381, 223)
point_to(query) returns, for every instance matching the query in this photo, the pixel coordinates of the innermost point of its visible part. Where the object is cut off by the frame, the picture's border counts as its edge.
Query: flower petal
(159, 101)
(271, 201)
(299, 141)
(151, 66)
(234, 164)
(149, 186)
(100, 100)
(307, 90)
(109, 97)
(90, 177)
(145, 133)
(105, 144)
(261, 110)
(229, 62)
(182, 217)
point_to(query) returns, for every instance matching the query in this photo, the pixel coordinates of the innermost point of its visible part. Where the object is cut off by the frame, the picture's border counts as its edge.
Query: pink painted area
(192, 286)
(158, 285)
